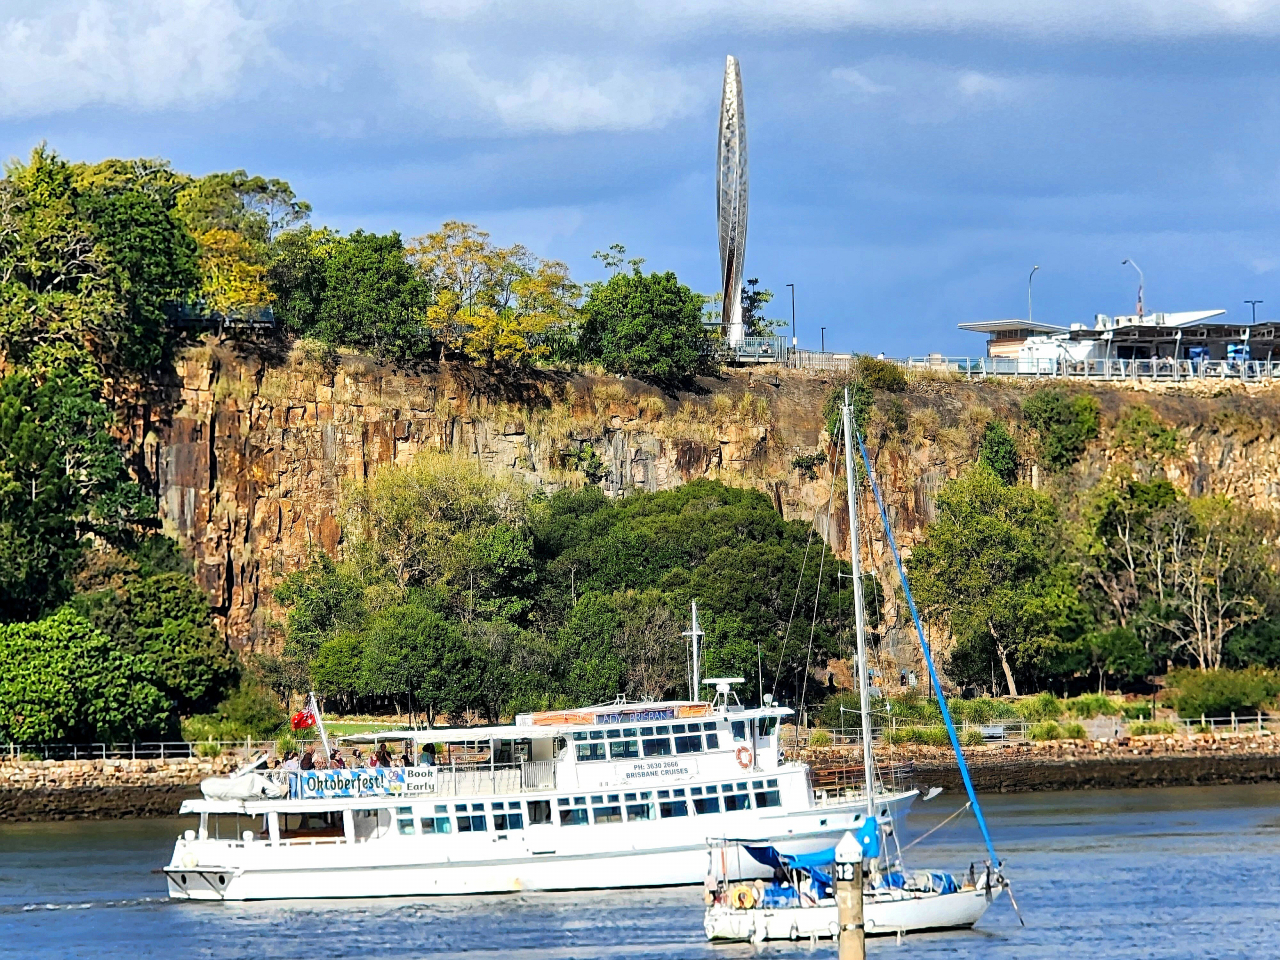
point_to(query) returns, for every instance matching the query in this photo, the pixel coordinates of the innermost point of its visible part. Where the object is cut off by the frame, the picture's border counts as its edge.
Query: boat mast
(868, 763)
(695, 679)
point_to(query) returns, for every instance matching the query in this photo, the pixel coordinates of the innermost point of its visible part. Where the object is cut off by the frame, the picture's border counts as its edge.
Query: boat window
(757, 784)
(772, 783)
(404, 820)
(678, 793)
(624, 750)
(597, 799)
(639, 811)
(767, 726)
(679, 727)
(709, 725)
(689, 744)
(695, 791)
(711, 789)
(739, 730)
(475, 823)
(609, 814)
(713, 741)
(695, 727)
(590, 751)
(673, 808)
(706, 804)
(510, 819)
(629, 731)
(440, 823)
(742, 786)
(579, 801)
(614, 734)
(768, 798)
(664, 794)
(539, 811)
(613, 798)
(646, 731)
(597, 734)
(660, 731)
(737, 801)
(311, 824)
(563, 802)
(657, 748)
(574, 817)
(580, 735)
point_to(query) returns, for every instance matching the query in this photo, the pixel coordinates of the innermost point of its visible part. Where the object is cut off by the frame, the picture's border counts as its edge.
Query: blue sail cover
(811, 863)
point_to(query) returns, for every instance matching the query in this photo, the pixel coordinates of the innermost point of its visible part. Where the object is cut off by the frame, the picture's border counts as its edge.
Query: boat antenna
(694, 634)
(928, 660)
(859, 613)
(315, 711)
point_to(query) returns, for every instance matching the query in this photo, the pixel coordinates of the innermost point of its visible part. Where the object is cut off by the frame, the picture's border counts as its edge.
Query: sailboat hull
(885, 914)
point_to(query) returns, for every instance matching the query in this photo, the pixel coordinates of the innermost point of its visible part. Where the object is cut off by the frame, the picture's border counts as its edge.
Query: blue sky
(910, 160)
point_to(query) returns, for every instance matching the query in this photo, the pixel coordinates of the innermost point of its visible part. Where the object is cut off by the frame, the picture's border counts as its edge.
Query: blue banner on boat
(362, 782)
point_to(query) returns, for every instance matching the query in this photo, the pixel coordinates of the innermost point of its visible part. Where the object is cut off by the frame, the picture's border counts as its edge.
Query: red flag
(303, 719)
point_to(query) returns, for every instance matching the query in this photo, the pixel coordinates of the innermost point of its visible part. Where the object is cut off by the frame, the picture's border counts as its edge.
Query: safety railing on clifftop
(149, 750)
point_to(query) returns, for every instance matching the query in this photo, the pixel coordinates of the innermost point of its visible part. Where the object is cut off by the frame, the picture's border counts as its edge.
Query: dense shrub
(65, 681)
(820, 738)
(1043, 706)
(998, 450)
(1146, 729)
(881, 374)
(1065, 423)
(1217, 693)
(1137, 711)
(971, 738)
(1091, 705)
(981, 710)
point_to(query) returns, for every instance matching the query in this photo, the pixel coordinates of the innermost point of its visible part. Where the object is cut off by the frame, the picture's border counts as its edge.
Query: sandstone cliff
(248, 455)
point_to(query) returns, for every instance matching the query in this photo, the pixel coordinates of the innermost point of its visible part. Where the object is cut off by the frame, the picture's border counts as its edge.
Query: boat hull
(665, 853)
(883, 917)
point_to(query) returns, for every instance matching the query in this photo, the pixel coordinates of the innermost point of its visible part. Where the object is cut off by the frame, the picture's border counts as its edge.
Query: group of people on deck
(381, 757)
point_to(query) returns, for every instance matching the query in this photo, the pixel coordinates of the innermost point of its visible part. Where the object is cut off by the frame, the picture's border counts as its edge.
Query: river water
(1179, 872)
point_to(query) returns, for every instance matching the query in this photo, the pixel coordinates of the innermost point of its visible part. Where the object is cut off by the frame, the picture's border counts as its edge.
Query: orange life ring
(742, 898)
(743, 756)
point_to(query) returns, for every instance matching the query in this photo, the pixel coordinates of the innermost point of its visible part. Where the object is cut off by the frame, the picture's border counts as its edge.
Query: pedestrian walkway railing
(147, 750)
(1166, 369)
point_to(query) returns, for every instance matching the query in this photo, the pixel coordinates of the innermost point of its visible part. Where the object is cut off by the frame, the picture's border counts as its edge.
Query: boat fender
(742, 898)
(743, 756)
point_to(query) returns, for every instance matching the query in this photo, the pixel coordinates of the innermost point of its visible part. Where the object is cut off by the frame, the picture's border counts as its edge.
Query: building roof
(994, 326)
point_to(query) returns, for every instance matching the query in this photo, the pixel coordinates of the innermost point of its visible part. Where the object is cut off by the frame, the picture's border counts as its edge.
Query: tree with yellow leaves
(495, 303)
(231, 281)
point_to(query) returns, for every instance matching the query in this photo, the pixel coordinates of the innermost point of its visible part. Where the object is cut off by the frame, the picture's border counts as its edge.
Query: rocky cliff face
(249, 454)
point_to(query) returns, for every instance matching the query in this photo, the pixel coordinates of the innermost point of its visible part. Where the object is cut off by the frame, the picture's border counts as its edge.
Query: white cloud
(974, 84)
(563, 96)
(146, 54)
(859, 80)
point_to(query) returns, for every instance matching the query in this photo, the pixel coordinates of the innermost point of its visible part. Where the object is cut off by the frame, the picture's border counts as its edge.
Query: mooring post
(852, 945)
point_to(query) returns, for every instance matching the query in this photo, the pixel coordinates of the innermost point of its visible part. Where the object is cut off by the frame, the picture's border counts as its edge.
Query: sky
(910, 160)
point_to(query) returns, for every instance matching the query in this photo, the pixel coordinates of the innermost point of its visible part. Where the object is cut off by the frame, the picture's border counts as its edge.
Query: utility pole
(1254, 304)
(852, 942)
(824, 339)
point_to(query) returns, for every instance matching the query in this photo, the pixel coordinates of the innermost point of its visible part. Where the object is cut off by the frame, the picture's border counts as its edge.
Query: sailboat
(800, 901)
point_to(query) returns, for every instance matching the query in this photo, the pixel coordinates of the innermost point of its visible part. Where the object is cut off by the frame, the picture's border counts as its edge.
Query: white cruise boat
(620, 795)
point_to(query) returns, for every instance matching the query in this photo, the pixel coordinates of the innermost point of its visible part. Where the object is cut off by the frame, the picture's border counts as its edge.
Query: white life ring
(743, 756)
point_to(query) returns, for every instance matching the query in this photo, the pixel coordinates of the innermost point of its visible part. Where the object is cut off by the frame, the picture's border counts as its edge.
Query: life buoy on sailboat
(743, 756)
(742, 898)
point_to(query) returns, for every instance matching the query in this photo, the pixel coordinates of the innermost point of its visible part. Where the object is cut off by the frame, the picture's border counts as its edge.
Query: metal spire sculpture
(731, 200)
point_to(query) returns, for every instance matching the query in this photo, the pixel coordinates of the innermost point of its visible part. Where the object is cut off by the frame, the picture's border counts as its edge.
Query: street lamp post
(1140, 278)
(1029, 276)
(794, 352)
(1254, 304)
(824, 340)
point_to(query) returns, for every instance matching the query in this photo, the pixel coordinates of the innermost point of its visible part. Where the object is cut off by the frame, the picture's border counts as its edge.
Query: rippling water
(1155, 873)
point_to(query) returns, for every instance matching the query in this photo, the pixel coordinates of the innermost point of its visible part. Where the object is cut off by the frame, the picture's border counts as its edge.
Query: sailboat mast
(859, 613)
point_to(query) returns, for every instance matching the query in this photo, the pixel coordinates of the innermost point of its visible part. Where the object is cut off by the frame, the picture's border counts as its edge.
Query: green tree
(1065, 423)
(165, 622)
(65, 681)
(411, 649)
(997, 449)
(61, 478)
(322, 600)
(257, 208)
(373, 298)
(753, 303)
(985, 569)
(645, 326)
(1116, 653)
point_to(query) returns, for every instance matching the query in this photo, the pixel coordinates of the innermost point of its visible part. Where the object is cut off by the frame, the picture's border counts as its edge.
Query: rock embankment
(101, 789)
(1226, 758)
